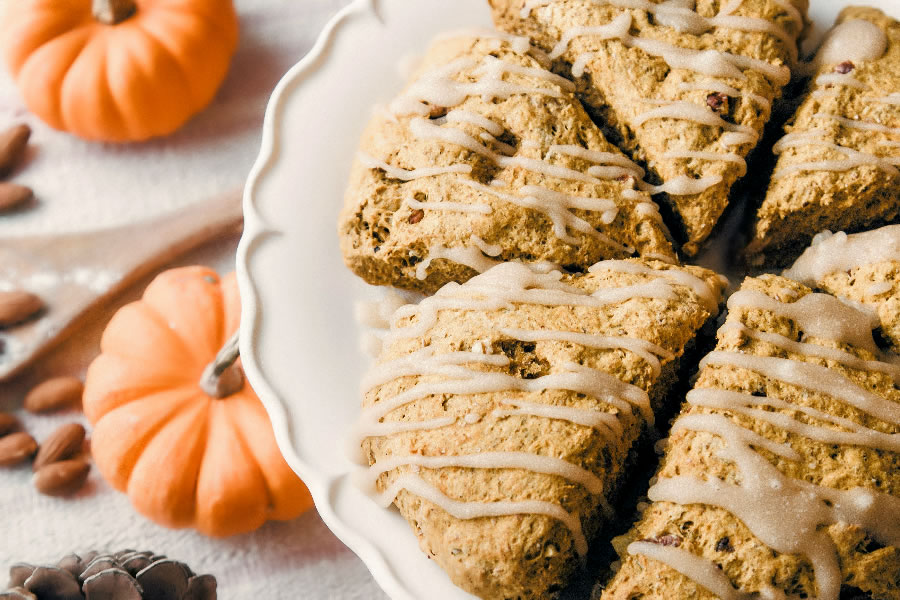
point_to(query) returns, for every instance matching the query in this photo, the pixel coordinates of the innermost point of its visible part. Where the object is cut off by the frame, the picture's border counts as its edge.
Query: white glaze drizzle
(859, 124)
(469, 372)
(694, 567)
(557, 206)
(738, 402)
(526, 461)
(441, 87)
(684, 19)
(840, 356)
(469, 256)
(853, 158)
(697, 114)
(458, 115)
(713, 85)
(480, 208)
(704, 291)
(818, 315)
(473, 510)
(832, 253)
(709, 156)
(842, 79)
(810, 376)
(790, 525)
(371, 162)
(646, 350)
(855, 40)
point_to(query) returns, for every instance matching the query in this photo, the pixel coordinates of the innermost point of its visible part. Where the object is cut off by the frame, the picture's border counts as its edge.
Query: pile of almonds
(59, 465)
(17, 305)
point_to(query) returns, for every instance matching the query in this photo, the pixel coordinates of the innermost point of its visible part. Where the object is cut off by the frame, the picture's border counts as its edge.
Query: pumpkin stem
(113, 12)
(223, 377)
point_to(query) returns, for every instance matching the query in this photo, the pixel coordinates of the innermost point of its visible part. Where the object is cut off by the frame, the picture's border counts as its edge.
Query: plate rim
(257, 229)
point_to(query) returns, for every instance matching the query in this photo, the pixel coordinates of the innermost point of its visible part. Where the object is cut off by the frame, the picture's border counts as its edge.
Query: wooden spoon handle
(121, 256)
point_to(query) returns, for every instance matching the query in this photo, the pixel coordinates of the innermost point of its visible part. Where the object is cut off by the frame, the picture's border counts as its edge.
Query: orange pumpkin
(118, 70)
(190, 444)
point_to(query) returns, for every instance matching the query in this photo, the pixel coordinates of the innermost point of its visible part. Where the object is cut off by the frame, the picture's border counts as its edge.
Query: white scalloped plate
(299, 338)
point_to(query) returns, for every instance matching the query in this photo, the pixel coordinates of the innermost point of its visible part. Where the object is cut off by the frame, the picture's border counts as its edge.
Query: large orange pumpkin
(118, 70)
(184, 456)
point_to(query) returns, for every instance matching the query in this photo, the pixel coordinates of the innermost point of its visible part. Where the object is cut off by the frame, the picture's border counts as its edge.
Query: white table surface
(84, 186)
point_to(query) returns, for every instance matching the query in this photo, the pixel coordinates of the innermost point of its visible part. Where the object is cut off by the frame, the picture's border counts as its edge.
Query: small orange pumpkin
(118, 70)
(175, 427)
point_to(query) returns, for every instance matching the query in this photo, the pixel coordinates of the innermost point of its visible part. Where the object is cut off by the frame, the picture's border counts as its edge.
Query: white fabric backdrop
(85, 186)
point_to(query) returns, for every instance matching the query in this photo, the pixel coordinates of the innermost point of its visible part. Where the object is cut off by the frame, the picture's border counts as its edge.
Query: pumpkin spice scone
(838, 164)
(503, 412)
(488, 157)
(685, 89)
(781, 477)
(862, 267)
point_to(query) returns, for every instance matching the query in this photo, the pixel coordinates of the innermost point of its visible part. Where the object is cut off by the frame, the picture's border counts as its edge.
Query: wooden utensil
(74, 272)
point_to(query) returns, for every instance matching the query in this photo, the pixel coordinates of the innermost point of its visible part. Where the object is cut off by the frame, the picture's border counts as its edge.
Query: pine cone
(125, 575)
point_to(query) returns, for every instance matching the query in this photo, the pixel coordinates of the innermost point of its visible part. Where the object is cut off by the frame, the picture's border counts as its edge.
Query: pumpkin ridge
(176, 492)
(195, 91)
(172, 337)
(42, 26)
(199, 323)
(84, 112)
(59, 54)
(128, 457)
(250, 513)
(236, 427)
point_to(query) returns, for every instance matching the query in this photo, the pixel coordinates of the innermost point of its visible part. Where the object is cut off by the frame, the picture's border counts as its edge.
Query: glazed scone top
(486, 156)
(853, 70)
(687, 88)
(862, 267)
(796, 382)
(838, 163)
(474, 370)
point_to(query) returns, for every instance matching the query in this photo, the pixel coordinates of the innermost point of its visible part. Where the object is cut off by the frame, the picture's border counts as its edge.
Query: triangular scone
(839, 165)
(488, 157)
(685, 93)
(862, 267)
(781, 477)
(502, 412)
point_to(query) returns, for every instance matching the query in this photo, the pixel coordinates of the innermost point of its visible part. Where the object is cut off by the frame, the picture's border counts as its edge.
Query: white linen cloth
(85, 186)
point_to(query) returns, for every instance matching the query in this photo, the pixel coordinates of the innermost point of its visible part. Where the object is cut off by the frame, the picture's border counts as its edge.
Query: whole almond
(63, 443)
(15, 448)
(8, 423)
(13, 195)
(62, 478)
(12, 147)
(54, 394)
(17, 306)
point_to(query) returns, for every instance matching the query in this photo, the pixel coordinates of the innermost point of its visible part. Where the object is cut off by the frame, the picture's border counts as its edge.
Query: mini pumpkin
(176, 427)
(118, 70)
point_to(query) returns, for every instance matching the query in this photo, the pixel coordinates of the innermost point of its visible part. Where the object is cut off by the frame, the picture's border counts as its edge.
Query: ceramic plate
(299, 338)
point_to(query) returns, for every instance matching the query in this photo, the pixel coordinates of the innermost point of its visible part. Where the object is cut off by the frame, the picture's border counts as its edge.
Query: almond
(8, 423)
(64, 443)
(12, 147)
(15, 448)
(54, 394)
(13, 195)
(62, 478)
(17, 306)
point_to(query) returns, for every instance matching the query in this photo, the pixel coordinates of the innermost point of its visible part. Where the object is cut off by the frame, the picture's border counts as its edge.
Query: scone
(781, 477)
(488, 157)
(838, 165)
(862, 267)
(503, 412)
(685, 92)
